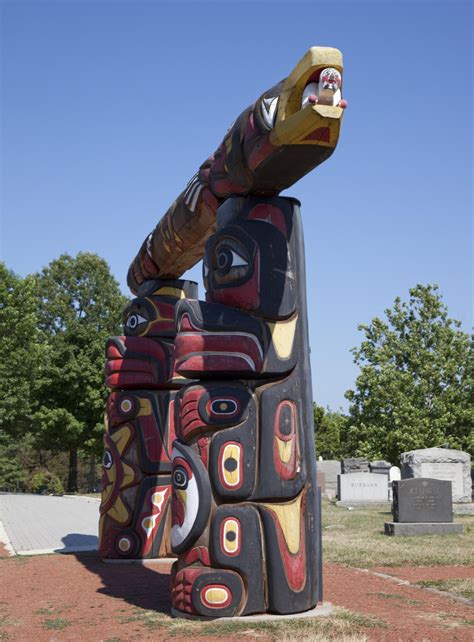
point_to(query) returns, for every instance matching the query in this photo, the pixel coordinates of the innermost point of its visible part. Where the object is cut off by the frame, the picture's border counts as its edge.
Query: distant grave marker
(440, 463)
(355, 465)
(362, 488)
(422, 507)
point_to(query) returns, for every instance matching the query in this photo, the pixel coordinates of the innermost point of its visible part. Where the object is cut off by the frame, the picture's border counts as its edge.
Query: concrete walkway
(34, 524)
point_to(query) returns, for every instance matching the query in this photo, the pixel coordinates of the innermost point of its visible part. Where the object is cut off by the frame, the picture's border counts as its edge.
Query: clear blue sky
(110, 107)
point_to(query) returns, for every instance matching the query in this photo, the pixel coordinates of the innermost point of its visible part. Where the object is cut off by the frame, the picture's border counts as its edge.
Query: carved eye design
(107, 460)
(134, 320)
(180, 478)
(230, 261)
(227, 259)
(230, 536)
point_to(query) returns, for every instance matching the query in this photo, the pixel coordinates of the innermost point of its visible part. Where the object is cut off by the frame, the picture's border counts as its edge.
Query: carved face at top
(330, 80)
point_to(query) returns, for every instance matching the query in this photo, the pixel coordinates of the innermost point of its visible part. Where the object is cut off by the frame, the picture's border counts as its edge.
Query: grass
(355, 538)
(56, 623)
(400, 598)
(342, 625)
(460, 588)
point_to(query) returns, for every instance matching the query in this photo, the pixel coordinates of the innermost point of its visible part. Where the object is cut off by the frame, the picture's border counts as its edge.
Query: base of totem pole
(165, 561)
(320, 610)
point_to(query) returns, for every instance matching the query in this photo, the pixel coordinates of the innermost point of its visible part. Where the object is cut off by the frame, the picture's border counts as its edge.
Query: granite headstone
(380, 467)
(422, 500)
(331, 469)
(440, 463)
(355, 465)
(422, 507)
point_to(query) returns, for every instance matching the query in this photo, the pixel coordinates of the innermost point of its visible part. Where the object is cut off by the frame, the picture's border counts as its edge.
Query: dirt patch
(67, 597)
(410, 613)
(416, 574)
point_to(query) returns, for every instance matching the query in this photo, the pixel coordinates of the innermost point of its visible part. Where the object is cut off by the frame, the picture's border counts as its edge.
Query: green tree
(328, 428)
(20, 352)
(79, 307)
(415, 384)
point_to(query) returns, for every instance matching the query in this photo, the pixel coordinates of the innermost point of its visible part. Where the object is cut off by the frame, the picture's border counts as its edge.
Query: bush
(42, 481)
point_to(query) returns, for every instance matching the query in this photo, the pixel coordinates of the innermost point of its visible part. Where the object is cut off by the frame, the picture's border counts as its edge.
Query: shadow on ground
(138, 585)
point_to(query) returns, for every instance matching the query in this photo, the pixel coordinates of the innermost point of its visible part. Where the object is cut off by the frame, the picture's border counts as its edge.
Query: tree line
(53, 328)
(414, 388)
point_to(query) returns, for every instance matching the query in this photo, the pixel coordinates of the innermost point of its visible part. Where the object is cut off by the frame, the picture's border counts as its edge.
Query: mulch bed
(97, 600)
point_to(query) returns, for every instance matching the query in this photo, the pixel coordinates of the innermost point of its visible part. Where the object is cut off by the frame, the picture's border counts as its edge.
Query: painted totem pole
(136, 480)
(222, 398)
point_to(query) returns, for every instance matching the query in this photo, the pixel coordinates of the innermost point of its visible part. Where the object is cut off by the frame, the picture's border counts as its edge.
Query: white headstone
(394, 474)
(362, 487)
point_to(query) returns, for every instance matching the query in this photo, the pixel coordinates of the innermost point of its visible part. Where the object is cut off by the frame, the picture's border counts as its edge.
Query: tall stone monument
(440, 463)
(221, 403)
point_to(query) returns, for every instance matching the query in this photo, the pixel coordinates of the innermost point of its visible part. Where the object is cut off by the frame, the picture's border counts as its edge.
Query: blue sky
(109, 108)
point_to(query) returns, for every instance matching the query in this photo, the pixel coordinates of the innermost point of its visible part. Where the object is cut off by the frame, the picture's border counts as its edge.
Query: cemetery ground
(382, 588)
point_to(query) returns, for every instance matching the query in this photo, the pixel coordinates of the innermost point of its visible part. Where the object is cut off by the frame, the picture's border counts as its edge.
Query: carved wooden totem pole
(136, 480)
(211, 413)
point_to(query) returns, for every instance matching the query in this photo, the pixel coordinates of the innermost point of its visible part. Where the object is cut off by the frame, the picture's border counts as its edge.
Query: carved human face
(330, 80)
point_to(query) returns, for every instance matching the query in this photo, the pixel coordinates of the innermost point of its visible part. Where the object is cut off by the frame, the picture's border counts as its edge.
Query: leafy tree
(12, 474)
(20, 352)
(415, 385)
(328, 426)
(79, 307)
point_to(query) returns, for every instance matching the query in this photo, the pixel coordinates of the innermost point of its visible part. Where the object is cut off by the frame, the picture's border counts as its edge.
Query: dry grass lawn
(356, 538)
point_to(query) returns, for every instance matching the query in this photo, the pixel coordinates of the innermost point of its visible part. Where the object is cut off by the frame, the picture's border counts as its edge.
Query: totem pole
(136, 479)
(219, 403)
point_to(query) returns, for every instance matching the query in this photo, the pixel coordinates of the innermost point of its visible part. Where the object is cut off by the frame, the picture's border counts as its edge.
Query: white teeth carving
(268, 110)
(310, 89)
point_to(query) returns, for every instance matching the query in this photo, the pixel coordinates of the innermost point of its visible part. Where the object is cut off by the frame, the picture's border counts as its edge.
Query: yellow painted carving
(231, 526)
(283, 336)
(216, 595)
(119, 512)
(289, 516)
(128, 475)
(121, 438)
(293, 124)
(169, 291)
(232, 477)
(145, 407)
(285, 449)
(101, 527)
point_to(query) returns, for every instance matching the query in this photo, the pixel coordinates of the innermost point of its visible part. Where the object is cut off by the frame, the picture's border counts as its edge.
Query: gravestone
(380, 467)
(440, 463)
(355, 465)
(362, 488)
(321, 476)
(422, 507)
(394, 474)
(331, 469)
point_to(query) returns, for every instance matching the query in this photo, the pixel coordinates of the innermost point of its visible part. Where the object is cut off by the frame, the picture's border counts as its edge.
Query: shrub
(42, 481)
